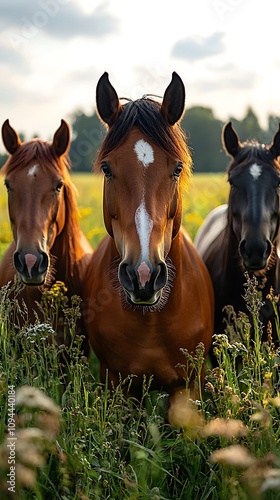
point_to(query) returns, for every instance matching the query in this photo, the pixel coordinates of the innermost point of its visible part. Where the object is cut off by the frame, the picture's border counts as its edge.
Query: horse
(147, 292)
(48, 243)
(241, 238)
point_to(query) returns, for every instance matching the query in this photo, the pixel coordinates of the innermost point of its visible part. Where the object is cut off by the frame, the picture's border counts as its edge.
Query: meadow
(77, 440)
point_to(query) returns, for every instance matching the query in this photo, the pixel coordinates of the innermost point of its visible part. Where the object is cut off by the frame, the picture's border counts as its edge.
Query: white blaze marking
(143, 222)
(32, 170)
(144, 226)
(145, 152)
(255, 171)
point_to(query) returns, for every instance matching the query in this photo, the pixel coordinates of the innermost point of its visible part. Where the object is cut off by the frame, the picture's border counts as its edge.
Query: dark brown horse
(48, 243)
(244, 235)
(147, 292)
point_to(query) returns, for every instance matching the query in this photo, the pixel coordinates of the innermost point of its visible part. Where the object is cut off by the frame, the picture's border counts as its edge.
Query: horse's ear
(230, 140)
(107, 100)
(61, 139)
(10, 138)
(275, 145)
(173, 103)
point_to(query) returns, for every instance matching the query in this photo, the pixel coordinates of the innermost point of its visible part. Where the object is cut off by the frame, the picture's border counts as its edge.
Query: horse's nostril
(161, 277)
(19, 261)
(126, 276)
(43, 263)
(268, 249)
(242, 249)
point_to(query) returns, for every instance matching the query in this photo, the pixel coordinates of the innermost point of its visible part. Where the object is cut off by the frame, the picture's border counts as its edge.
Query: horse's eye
(106, 170)
(59, 186)
(8, 187)
(178, 170)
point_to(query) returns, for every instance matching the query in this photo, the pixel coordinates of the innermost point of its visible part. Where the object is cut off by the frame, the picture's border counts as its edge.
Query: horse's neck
(277, 266)
(181, 240)
(227, 263)
(63, 261)
(70, 262)
(273, 274)
(183, 254)
(230, 251)
(61, 254)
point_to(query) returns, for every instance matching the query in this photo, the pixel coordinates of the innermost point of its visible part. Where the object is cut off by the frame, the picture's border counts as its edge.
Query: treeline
(204, 136)
(202, 128)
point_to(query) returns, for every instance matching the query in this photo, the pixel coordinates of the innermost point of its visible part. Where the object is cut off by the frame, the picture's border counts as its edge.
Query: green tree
(249, 128)
(204, 138)
(88, 133)
(3, 159)
(273, 126)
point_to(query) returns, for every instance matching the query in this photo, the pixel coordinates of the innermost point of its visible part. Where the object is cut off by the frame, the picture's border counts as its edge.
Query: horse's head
(144, 159)
(35, 183)
(254, 177)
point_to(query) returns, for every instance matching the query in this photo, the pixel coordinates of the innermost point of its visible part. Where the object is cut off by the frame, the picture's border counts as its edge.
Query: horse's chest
(131, 350)
(151, 362)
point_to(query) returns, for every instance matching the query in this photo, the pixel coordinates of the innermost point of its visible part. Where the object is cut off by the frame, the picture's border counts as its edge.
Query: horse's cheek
(168, 236)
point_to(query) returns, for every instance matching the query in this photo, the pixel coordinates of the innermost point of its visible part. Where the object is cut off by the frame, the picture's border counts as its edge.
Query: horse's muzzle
(32, 267)
(143, 284)
(255, 255)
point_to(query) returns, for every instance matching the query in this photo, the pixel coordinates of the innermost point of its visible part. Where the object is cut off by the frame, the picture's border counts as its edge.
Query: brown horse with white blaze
(48, 243)
(147, 292)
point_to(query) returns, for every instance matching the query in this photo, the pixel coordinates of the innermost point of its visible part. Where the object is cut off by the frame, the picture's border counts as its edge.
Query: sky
(52, 53)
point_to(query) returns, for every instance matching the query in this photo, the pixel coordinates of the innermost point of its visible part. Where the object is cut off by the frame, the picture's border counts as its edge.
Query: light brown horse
(48, 243)
(147, 292)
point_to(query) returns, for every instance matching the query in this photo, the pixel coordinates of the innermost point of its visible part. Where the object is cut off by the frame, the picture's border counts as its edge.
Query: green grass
(77, 440)
(105, 446)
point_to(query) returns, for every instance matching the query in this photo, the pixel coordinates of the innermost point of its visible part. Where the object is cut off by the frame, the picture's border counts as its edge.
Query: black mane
(145, 114)
(253, 151)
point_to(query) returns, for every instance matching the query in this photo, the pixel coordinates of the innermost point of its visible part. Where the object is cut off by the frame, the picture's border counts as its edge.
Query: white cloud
(9, 57)
(196, 47)
(58, 18)
(63, 47)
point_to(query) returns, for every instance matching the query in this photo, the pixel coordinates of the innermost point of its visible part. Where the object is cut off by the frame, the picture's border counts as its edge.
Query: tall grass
(88, 442)
(75, 439)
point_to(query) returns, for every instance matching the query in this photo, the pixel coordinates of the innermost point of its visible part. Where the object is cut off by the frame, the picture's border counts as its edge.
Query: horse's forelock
(38, 151)
(253, 152)
(145, 114)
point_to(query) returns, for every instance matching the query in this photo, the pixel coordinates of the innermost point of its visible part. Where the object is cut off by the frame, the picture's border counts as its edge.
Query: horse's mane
(253, 151)
(43, 153)
(145, 114)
